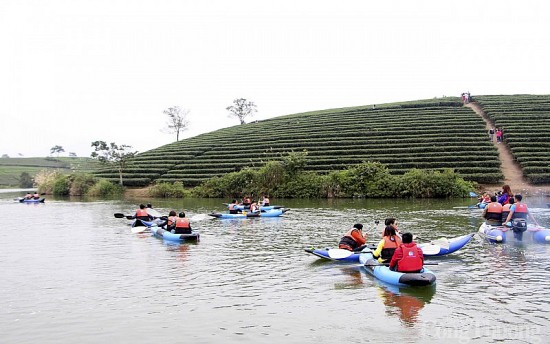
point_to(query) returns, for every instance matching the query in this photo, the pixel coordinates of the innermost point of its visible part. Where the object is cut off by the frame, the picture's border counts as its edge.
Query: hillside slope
(427, 134)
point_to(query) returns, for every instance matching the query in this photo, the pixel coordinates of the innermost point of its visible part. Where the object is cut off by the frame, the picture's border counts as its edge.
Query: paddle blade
(442, 242)
(119, 216)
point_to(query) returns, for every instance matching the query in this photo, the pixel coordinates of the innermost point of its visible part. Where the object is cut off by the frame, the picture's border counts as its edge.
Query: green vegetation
(76, 184)
(368, 179)
(12, 169)
(525, 120)
(426, 135)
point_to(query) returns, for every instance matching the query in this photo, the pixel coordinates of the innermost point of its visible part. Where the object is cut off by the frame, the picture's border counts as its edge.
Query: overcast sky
(73, 72)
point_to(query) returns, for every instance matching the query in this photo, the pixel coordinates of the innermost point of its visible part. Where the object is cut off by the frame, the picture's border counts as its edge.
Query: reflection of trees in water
(405, 303)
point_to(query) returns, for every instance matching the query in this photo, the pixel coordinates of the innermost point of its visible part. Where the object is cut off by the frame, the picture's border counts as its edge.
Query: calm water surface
(72, 273)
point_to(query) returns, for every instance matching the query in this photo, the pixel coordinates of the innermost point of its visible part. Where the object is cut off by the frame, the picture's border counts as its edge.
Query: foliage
(45, 179)
(177, 120)
(25, 180)
(168, 190)
(241, 109)
(105, 188)
(302, 185)
(61, 186)
(56, 149)
(113, 154)
(81, 183)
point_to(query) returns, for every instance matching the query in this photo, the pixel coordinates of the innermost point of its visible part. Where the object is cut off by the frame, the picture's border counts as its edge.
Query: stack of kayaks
(423, 278)
(438, 247)
(167, 235)
(245, 214)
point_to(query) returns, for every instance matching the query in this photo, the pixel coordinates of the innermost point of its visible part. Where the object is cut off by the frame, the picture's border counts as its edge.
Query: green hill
(11, 168)
(427, 134)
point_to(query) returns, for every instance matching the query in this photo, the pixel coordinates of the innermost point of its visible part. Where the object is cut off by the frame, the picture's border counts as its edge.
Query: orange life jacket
(390, 244)
(494, 211)
(348, 242)
(142, 212)
(182, 222)
(171, 220)
(411, 260)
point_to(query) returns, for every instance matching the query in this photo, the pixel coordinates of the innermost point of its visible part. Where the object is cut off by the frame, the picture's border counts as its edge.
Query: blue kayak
(244, 214)
(262, 207)
(540, 234)
(438, 247)
(139, 223)
(32, 200)
(166, 235)
(493, 234)
(402, 279)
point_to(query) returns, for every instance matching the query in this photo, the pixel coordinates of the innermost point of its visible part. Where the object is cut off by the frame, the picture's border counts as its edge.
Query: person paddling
(354, 239)
(233, 207)
(142, 214)
(390, 241)
(407, 257)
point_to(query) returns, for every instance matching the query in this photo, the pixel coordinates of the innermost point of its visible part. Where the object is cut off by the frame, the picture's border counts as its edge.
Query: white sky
(73, 72)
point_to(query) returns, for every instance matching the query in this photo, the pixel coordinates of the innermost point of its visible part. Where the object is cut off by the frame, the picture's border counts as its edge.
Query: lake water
(72, 273)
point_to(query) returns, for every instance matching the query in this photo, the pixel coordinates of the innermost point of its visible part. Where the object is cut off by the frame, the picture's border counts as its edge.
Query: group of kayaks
(382, 272)
(439, 247)
(244, 212)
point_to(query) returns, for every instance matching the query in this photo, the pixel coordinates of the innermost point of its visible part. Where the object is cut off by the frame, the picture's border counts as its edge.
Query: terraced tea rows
(427, 134)
(525, 120)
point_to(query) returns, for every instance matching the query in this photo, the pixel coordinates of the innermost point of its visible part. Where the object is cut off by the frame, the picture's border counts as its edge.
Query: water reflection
(404, 302)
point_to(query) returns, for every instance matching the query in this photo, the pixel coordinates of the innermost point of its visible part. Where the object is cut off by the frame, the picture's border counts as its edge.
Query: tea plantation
(525, 120)
(427, 134)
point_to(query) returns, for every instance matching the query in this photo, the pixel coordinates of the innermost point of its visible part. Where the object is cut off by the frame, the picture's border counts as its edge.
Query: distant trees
(113, 154)
(25, 180)
(5, 156)
(72, 154)
(177, 120)
(56, 149)
(241, 109)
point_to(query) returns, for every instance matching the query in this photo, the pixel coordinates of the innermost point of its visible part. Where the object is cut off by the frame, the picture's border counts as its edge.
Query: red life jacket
(521, 211)
(142, 212)
(348, 242)
(411, 261)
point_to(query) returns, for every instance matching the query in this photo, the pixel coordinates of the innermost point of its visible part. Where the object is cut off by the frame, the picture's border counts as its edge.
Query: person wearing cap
(390, 241)
(183, 226)
(354, 239)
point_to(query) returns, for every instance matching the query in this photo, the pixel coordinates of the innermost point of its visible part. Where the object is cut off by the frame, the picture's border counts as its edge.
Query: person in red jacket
(407, 257)
(354, 239)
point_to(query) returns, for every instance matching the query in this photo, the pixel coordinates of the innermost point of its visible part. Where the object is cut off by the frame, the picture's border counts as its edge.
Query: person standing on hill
(499, 135)
(491, 134)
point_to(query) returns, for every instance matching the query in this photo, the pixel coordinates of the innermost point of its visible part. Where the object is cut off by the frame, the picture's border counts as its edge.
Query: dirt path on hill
(513, 175)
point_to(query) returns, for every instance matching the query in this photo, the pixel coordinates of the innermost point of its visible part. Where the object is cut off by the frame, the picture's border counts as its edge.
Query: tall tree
(56, 149)
(112, 154)
(241, 109)
(177, 121)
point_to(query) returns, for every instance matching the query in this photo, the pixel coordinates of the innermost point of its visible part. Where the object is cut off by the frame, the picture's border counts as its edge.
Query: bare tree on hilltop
(177, 121)
(241, 109)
